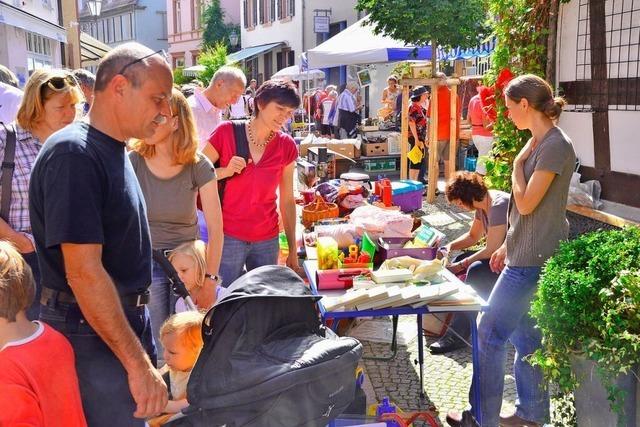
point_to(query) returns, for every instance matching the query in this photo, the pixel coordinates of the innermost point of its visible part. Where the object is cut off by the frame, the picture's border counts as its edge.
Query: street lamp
(95, 7)
(233, 39)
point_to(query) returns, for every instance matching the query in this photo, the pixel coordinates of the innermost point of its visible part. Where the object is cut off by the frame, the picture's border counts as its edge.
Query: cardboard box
(347, 150)
(380, 148)
(304, 148)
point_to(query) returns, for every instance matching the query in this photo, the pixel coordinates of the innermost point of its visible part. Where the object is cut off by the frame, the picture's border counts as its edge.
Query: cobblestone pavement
(446, 377)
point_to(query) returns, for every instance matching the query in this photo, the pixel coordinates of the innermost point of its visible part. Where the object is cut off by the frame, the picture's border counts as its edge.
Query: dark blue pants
(104, 388)
(32, 259)
(482, 280)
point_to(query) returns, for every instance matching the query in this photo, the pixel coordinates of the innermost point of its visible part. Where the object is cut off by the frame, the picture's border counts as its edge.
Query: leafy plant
(521, 28)
(212, 59)
(179, 78)
(588, 302)
(217, 31)
(437, 23)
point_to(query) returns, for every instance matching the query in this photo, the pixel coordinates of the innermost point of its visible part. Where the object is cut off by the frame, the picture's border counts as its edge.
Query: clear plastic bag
(584, 193)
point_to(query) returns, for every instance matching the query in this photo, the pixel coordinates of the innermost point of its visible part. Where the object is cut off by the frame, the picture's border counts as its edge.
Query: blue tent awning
(480, 51)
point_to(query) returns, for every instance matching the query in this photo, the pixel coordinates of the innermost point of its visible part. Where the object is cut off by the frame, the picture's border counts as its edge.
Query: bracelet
(213, 277)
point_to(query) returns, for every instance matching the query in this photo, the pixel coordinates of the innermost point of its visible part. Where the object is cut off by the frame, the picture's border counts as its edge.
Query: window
(177, 17)
(126, 27)
(179, 62)
(197, 11)
(263, 11)
(272, 10)
(118, 28)
(250, 13)
(163, 25)
(268, 64)
(194, 57)
(286, 8)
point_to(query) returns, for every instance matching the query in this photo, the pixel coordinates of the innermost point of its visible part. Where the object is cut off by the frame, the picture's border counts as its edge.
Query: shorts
(443, 149)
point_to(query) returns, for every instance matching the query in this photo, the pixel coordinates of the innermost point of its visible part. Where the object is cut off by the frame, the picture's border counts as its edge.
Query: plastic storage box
(407, 194)
(392, 247)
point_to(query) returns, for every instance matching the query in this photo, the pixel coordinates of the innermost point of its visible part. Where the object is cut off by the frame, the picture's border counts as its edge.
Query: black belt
(50, 297)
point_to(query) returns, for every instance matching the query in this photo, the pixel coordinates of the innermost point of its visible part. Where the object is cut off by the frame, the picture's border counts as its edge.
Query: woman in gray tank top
(537, 223)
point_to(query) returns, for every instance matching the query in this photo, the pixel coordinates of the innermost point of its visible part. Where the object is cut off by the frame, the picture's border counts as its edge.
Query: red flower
(488, 101)
(504, 78)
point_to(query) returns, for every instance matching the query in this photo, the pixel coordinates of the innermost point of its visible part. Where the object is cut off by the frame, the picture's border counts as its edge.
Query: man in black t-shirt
(92, 239)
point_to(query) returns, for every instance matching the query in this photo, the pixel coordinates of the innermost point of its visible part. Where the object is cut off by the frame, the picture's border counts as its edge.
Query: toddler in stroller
(182, 342)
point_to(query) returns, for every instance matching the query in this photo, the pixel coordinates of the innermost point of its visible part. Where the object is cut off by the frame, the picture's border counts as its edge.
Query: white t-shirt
(326, 109)
(241, 108)
(10, 99)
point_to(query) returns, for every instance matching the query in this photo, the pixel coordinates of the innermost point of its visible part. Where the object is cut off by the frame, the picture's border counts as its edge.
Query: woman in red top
(249, 211)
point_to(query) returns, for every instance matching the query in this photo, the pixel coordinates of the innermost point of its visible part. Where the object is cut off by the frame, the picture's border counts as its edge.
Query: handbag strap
(8, 166)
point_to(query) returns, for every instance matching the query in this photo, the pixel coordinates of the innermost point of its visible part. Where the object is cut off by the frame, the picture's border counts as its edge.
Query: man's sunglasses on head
(157, 52)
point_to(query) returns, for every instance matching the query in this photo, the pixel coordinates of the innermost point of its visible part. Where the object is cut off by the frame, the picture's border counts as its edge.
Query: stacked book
(444, 296)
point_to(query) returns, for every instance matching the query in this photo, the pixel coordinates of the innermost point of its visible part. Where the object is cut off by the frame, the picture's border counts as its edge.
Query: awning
(193, 71)
(479, 51)
(91, 50)
(249, 52)
(15, 17)
(358, 44)
(295, 72)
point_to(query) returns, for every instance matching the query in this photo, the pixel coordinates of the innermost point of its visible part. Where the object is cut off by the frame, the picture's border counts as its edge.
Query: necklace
(252, 137)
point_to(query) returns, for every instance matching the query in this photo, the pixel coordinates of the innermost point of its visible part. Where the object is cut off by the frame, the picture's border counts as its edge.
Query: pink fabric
(475, 117)
(249, 210)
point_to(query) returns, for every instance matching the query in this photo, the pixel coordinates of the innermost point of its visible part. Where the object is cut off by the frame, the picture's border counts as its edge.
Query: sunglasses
(59, 83)
(160, 52)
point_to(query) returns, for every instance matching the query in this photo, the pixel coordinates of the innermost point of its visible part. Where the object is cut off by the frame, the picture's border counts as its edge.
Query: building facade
(276, 32)
(185, 27)
(121, 21)
(31, 36)
(598, 72)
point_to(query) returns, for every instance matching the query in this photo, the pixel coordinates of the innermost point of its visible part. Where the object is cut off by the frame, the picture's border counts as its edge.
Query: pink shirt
(207, 116)
(475, 117)
(249, 210)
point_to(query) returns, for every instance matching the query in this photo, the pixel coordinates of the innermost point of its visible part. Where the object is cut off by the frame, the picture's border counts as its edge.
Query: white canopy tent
(358, 44)
(294, 72)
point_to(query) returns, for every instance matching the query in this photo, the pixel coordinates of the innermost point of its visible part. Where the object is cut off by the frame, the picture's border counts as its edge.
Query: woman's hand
(456, 267)
(420, 144)
(496, 263)
(292, 261)
(236, 165)
(23, 243)
(524, 154)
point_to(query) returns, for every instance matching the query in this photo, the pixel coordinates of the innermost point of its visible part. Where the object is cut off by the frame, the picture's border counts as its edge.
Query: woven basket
(317, 210)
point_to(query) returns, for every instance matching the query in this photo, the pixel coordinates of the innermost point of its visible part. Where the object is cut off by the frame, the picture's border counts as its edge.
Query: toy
(327, 253)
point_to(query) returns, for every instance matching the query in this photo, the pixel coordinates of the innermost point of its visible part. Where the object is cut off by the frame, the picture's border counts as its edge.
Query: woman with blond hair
(172, 173)
(48, 105)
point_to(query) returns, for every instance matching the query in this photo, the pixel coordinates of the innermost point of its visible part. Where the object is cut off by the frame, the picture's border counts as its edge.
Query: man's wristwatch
(213, 277)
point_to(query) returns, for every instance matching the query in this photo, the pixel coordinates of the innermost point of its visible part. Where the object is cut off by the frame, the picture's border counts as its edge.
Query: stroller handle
(177, 285)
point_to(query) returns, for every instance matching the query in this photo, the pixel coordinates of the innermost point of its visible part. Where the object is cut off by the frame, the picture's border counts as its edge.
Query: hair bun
(554, 107)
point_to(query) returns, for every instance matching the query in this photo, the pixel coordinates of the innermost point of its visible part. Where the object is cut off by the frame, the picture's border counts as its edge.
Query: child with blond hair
(181, 339)
(38, 380)
(189, 260)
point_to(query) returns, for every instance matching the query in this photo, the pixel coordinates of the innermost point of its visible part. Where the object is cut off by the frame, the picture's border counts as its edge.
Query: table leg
(475, 354)
(421, 355)
(394, 343)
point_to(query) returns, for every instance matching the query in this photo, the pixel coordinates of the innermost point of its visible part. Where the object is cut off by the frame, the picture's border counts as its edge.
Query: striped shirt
(347, 101)
(27, 148)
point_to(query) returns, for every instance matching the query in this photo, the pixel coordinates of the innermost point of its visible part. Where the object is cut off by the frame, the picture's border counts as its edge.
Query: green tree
(215, 29)
(212, 58)
(441, 23)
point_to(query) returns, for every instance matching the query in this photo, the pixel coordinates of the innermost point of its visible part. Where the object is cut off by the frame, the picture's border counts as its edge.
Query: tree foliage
(521, 28)
(215, 29)
(212, 58)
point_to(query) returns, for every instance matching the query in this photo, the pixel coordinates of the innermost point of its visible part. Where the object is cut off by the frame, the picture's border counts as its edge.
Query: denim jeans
(104, 388)
(34, 310)
(162, 303)
(482, 280)
(507, 319)
(238, 254)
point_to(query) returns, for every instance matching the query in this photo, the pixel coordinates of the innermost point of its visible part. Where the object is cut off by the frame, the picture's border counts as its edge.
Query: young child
(189, 260)
(181, 339)
(38, 380)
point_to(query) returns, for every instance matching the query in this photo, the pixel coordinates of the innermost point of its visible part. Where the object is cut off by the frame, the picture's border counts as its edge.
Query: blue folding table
(311, 267)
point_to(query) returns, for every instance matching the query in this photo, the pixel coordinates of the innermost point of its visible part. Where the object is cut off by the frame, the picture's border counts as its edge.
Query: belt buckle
(167, 252)
(139, 300)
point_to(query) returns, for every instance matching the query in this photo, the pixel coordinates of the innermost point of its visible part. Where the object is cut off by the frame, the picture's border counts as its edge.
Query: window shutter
(245, 13)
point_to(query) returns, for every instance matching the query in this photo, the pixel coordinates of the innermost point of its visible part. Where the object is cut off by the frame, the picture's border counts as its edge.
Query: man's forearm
(6, 232)
(100, 304)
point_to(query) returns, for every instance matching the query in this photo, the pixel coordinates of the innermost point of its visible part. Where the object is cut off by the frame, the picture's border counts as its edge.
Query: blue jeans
(34, 310)
(104, 388)
(162, 303)
(238, 254)
(507, 319)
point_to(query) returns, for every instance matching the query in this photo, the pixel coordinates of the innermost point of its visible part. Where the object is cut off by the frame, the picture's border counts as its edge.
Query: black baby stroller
(177, 285)
(267, 360)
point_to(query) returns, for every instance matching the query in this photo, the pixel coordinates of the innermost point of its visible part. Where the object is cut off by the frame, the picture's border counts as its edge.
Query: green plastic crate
(377, 165)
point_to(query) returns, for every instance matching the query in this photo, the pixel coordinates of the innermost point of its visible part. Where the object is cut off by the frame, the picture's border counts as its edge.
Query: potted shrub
(588, 310)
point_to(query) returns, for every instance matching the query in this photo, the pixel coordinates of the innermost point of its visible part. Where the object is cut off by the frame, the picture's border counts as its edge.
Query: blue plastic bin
(407, 194)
